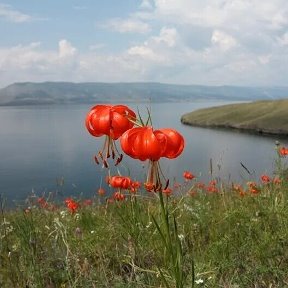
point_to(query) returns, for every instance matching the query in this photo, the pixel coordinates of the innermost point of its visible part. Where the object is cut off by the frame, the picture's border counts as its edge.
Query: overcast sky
(210, 42)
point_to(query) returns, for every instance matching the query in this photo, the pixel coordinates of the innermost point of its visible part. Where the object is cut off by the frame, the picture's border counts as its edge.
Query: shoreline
(235, 128)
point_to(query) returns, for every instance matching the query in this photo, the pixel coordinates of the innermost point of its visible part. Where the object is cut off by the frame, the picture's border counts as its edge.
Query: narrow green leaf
(160, 232)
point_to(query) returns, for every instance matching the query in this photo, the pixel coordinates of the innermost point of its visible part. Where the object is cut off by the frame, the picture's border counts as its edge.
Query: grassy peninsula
(264, 117)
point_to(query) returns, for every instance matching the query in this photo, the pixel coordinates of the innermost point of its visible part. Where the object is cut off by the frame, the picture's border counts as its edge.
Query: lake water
(40, 145)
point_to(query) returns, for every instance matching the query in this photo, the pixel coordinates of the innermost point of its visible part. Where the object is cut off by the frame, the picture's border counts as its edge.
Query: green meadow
(201, 235)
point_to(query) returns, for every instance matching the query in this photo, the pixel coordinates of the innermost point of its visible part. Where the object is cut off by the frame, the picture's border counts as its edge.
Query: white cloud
(159, 50)
(167, 36)
(235, 14)
(152, 60)
(223, 40)
(66, 49)
(128, 26)
(146, 4)
(236, 42)
(32, 63)
(12, 15)
(144, 52)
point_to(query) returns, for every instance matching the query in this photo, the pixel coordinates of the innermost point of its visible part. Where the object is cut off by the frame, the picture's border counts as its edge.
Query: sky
(207, 42)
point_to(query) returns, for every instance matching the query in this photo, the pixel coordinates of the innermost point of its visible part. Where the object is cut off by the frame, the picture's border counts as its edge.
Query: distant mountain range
(29, 93)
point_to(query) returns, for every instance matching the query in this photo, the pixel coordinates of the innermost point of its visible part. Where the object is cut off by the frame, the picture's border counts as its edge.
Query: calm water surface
(39, 145)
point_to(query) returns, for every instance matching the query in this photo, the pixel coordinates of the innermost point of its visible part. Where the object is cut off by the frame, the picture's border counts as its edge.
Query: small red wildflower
(253, 187)
(167, 191)
(120, 182)
(71, 205)
(149, 186)
(200, 185)
(110, 200)
(101, 192)
(265, 179)
(87, 202)
(188, 175)
(118, 196)
(242, 193)
(135, 186)
(276, 180)
(212, 189)
(238, 189)
(42, 202)
(213, 182)
(283, 151)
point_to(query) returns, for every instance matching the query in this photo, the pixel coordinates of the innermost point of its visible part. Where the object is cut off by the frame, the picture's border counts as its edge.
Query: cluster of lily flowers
(141, 141)
(251, 187)
(138, 140)
(254, 188)
(125, 186)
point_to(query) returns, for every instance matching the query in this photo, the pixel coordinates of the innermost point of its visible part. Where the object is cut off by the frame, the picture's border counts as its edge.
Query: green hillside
(268, 117)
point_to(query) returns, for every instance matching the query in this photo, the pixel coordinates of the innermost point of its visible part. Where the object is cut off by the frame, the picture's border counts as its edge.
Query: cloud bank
(9, 14)
(210, 42)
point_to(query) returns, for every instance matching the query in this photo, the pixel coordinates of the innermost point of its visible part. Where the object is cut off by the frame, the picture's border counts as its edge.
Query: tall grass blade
(246, 169)
(163, 278)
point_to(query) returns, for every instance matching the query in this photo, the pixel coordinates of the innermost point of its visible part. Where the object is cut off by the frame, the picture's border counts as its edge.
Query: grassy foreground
(230, 236)
(261, 116)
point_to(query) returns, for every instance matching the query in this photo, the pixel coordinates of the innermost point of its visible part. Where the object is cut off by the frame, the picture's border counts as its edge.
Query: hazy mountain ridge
(30, 93)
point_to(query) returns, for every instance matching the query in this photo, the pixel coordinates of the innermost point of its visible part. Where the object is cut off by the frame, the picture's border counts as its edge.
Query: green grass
(262, 116)
(233, 241)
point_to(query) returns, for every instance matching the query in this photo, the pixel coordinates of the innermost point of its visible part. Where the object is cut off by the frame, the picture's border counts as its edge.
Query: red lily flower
(167, 191)
(144, 143)
(283, 151)
(212, 189)
(101, 192)
(239, 189)
(71, 205)
(111, 121)
(265, 179)
(253, 188)
(188, 175)
(135, 186)
(120, 182)
(118, 196)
